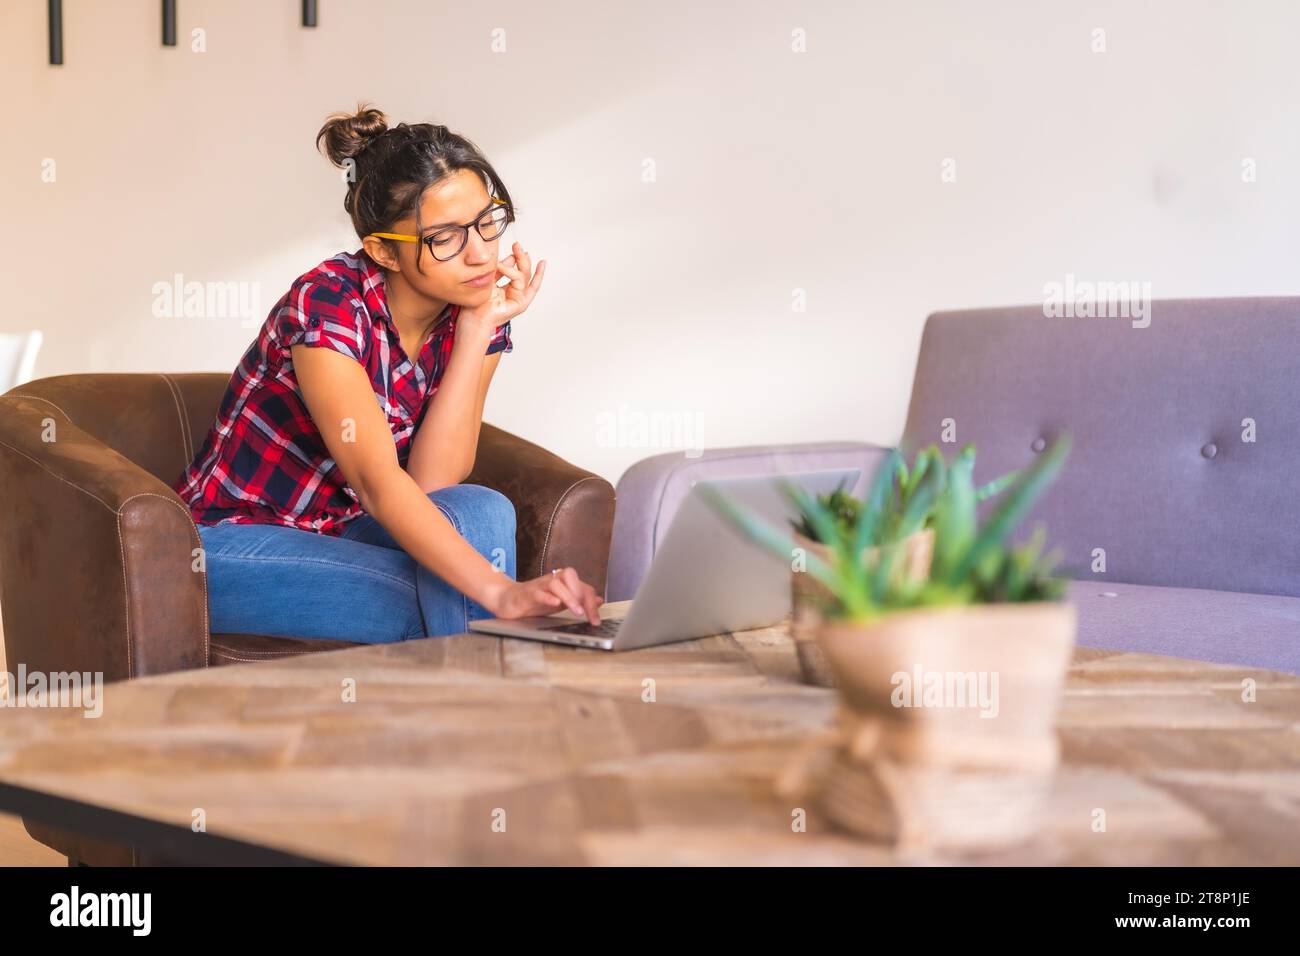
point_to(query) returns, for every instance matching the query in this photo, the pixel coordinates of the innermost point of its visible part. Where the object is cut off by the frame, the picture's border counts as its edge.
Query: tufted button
(1210, 450)
(1038, 444)
(314, 321)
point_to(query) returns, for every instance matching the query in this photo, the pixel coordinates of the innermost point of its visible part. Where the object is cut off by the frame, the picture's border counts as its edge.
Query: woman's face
(459, 199)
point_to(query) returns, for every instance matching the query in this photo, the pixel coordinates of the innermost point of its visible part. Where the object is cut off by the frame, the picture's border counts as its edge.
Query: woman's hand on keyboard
(547, 593)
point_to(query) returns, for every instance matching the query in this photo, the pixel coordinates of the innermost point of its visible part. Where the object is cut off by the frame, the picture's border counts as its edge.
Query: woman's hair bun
(344, 135)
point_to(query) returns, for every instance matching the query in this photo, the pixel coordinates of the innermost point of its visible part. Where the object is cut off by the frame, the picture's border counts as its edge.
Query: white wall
(672, 297)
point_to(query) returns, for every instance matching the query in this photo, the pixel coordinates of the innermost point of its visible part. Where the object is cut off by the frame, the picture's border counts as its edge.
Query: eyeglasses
(448, 241)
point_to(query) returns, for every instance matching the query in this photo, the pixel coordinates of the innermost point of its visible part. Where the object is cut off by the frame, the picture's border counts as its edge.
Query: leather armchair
(97, 551)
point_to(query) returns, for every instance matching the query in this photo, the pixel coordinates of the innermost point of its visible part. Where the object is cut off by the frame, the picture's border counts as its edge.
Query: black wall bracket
(56, 32)
(55, 8)
(169, 22)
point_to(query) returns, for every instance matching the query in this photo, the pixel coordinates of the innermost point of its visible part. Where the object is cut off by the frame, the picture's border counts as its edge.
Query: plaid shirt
(264, 461)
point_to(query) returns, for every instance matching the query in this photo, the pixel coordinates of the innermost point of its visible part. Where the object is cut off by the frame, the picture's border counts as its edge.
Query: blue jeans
(359, 586)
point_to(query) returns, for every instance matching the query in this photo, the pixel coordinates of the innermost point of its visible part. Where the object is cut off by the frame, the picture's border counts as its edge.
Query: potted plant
(900, 511)
(948, 685)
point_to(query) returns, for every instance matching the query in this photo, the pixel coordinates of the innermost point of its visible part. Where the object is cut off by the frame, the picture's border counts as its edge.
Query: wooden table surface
(479, 750)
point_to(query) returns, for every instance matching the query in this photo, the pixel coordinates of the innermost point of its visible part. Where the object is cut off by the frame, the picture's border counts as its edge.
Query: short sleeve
(501, 340)
(323, 315)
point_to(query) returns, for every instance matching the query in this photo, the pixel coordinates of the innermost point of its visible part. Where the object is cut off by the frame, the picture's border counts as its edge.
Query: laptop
(705, 578)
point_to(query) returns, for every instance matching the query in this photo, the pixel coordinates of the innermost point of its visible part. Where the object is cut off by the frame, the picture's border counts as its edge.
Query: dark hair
(392, 167)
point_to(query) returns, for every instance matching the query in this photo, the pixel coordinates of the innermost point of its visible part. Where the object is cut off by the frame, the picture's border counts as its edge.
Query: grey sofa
(1185, 472)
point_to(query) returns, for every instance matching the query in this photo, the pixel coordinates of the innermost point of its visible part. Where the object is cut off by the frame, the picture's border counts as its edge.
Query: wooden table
(478, 750)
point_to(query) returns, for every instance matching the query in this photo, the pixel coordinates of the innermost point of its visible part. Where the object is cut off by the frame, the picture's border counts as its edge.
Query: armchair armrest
(564, 514)
(96, 555)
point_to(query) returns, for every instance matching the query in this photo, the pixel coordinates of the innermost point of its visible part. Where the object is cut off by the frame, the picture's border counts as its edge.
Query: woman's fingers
(510, 268)
(585, 592)
(525, 261)
(577, 595)
(536, 284)
(524, 280)
(525, 298)
(559, 586)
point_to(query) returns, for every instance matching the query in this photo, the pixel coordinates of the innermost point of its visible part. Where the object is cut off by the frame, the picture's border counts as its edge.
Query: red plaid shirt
(264, 461)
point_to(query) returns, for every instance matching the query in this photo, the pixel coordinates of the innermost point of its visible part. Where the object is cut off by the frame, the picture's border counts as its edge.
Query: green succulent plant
(971, 561)
(901, 513)
(843, 507)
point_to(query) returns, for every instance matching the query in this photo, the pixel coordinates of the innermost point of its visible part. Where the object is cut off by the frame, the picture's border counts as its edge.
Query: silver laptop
(705, 578)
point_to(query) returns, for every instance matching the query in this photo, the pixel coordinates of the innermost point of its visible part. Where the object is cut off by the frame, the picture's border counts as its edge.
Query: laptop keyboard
(607, 628)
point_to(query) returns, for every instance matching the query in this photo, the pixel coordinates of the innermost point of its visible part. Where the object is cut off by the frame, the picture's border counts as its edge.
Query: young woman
(328, 493)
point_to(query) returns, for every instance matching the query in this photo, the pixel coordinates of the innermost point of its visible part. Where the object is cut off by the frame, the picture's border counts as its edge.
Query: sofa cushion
(249, 648)
(1227, 627)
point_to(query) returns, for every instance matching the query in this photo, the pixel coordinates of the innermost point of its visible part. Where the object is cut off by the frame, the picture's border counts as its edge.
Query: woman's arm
(341, 400)
(445, 445)
(442, 452)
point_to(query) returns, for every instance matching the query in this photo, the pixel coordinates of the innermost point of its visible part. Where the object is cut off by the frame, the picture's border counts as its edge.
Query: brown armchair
(96, 550)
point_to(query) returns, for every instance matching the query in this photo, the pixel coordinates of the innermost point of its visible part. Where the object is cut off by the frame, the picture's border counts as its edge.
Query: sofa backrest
(1186, 433)
(651, 490)
(156, 419)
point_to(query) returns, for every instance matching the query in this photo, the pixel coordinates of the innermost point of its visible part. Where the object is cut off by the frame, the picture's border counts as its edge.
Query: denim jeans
(359, 586)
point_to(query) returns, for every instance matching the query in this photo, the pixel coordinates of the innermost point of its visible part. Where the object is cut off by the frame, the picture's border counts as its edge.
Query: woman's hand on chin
(507, 302)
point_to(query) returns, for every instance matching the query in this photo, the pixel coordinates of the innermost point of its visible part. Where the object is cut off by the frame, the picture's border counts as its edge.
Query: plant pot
(807, 595)
(914, 759)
